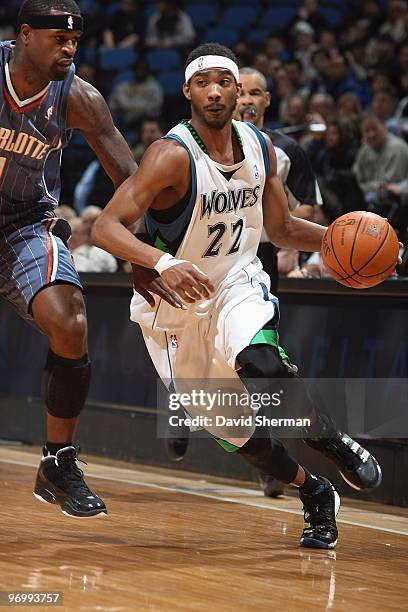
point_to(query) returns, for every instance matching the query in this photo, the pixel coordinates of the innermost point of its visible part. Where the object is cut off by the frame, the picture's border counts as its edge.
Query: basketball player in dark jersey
(41, 100)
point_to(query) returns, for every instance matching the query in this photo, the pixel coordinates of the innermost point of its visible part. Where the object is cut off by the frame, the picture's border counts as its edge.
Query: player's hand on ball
(190, 284)
(147, 281)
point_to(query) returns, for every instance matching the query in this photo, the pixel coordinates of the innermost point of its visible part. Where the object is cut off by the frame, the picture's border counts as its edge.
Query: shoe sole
(311, 542)
(373, 486)
(77, 516)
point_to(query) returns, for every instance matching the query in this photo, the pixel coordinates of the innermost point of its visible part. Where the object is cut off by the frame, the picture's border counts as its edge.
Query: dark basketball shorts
(32, 257)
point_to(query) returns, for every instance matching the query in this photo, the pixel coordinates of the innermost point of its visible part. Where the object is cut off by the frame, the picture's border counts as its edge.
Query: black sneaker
(320, 511)
(60, 481)
(176, 448)
(270, 486)
(356, 465)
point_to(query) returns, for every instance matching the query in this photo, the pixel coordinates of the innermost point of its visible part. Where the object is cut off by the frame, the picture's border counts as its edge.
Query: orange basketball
(360, 249)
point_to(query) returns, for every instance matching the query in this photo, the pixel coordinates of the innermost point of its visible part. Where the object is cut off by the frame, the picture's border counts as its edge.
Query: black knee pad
(65, 385)
(262, 361)
(269, 456)
(263, 371)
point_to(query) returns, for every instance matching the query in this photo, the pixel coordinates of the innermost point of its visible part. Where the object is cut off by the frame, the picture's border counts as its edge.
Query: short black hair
(37, 8)
(210, 49)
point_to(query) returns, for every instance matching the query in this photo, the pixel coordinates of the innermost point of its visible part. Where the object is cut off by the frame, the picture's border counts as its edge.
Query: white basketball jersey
(226, 223)
(226, 220)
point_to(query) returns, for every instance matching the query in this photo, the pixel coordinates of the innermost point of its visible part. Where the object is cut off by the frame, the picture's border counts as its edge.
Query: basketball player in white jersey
(206, 190)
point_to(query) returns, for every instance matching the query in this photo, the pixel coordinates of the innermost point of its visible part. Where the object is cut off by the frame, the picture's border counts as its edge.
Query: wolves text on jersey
(219, 202)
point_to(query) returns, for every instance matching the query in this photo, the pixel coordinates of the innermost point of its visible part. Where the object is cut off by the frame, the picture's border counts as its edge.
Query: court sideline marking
(178, 489)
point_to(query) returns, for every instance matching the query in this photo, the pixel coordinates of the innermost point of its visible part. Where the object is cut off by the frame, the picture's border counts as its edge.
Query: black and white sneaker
(357, 466)
(60, 481)
(320, 511)
(270, 486)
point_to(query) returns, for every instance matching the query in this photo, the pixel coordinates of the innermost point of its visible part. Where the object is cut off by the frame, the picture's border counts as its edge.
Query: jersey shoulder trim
(264, 147)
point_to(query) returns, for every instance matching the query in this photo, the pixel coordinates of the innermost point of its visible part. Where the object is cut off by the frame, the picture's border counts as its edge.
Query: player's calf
(59, 480)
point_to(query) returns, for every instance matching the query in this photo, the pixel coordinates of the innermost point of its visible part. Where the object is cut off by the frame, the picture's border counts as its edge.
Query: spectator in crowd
(93, 186)
(332, 156)
(384, 106)
(309, 12)
(372, 17)
(320, 63)
(323, 105)
(382, 52)
(380, 80)
(150, 131)
(294, 117)
(126, 26)
(87, 72)
(86, 256)
(341, 80)
(261, 63)
(169, 26)
(355, 53)
(275, 48)
(349, 112)
(381, 169)
(328, 42)
(78, 234)
(64, 211)
(395, 24)
(304, 46)
(296, 76)
(140, 97)
(243, 53)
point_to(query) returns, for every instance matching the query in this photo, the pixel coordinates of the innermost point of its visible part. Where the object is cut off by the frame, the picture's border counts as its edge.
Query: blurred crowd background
(337, 72)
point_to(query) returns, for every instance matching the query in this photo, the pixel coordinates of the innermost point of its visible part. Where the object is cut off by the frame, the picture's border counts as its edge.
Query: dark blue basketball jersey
(32, 135)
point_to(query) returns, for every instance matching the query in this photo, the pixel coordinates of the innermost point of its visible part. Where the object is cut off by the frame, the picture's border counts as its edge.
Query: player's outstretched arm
(89, 113)
(283, 229)
(165, 166)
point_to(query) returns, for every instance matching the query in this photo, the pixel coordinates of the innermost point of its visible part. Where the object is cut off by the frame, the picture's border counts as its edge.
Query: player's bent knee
(65, 385)
(262, 361)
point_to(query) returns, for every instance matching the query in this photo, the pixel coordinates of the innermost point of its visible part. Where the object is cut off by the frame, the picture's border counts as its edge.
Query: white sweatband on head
(205, 62)
(167, 261)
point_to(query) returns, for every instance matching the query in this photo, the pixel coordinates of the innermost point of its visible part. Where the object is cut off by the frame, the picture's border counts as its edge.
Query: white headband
(205, 62)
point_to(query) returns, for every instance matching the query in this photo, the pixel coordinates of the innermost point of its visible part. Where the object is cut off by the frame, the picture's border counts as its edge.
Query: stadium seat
(171, 82)
(277, 17)
(239, 16)
(123, 77)
(332, 14)
(225, 36)
(257, 36)
(111, 9)
(202, 15)
(163, 60)
(118, 59)
(149, 10)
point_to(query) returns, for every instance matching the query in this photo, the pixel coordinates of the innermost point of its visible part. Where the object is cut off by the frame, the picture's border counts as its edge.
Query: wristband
(167, 261)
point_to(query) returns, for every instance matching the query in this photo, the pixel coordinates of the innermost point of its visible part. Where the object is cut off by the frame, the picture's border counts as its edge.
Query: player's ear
(186, 91)
(267, 99)
(25, 32)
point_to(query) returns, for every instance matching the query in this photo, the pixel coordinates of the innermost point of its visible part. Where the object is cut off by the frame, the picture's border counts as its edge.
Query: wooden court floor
(174, 541)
